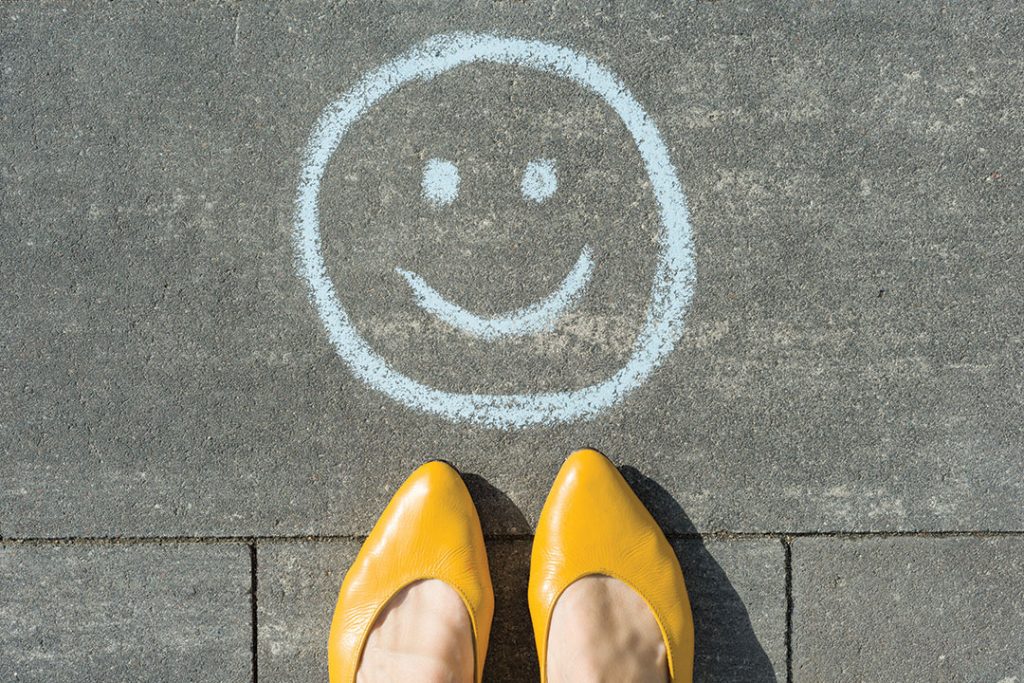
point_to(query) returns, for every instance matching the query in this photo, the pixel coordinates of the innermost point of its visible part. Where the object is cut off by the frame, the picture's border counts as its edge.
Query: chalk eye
(539, 181)
(440, 182)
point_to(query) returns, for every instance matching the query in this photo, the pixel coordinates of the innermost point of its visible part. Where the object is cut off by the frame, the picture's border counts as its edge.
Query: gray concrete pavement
(853, 353)
(140, 612)
(852, 358)
(908, 609)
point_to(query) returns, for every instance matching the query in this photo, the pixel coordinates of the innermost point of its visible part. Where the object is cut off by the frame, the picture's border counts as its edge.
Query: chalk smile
(538, 317)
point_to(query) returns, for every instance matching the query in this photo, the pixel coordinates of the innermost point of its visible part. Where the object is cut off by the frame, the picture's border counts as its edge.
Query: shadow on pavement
(499, 516)
(512, 654)
(726, 647)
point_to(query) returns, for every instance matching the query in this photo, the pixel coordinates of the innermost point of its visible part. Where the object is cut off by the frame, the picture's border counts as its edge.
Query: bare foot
(601, 630)
(423, 634)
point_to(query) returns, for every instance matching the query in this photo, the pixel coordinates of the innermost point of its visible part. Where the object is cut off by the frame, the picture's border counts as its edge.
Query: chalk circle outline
(674, 277)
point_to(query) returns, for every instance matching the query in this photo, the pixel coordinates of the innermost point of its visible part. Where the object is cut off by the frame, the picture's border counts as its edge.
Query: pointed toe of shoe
(594, 524)
(429, 530)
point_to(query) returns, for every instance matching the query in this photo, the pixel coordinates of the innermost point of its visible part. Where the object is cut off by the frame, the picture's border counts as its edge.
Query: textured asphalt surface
(835, 445)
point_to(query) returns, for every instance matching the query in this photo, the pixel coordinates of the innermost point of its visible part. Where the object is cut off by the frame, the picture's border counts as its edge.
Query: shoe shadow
(727, 648)
(512, 655)
(499, 515)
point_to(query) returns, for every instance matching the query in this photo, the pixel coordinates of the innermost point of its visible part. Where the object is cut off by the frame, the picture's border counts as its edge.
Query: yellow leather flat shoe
(429, 530)
(593, 524)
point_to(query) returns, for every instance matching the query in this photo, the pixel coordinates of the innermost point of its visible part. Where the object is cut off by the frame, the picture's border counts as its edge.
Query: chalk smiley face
(674, 273)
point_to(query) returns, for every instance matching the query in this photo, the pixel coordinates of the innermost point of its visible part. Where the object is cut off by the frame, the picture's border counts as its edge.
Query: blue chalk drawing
(440, 182)
(675, 272)
(533, 319)
(539, 181)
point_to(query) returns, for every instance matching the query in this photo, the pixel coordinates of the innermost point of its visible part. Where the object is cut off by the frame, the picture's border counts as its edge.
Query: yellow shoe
(429, 530)
(593, 523)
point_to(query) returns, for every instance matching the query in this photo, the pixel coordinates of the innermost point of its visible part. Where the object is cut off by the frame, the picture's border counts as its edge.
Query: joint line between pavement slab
(253, 587)
(326, 538)
(788, 545)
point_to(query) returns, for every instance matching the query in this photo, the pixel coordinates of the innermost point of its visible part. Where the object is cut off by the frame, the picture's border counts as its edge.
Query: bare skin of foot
(423, 634)
(601, 630)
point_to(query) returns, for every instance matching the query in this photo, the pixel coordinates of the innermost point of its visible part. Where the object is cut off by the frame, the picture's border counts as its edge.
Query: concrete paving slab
(738, 596)
(737, 589)
(298, 585)
(909, 608)
(139, 612)
(852, 358)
